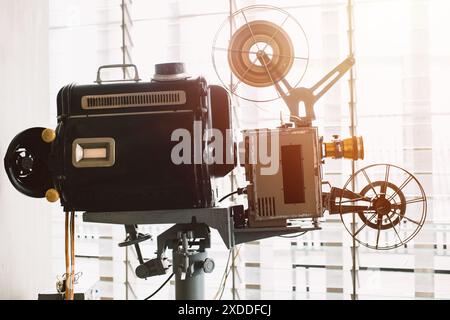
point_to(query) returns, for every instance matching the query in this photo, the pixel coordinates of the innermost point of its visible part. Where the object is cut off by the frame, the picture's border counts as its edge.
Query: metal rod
(352, 106)
(232, 5)
(124, 58)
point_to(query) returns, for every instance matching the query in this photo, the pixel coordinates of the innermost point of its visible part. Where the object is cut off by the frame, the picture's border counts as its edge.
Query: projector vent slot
(266, 207)
(131, 100)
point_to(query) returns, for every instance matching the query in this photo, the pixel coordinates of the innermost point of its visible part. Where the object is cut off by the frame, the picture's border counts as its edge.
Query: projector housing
(112, 148)
(130, 127)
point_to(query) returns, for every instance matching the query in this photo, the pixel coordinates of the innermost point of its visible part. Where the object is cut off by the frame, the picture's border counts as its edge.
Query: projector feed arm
(309, 96)
(337, 73)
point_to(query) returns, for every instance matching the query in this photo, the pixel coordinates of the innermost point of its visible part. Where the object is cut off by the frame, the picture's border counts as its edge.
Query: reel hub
(382, 206)
(388, 213)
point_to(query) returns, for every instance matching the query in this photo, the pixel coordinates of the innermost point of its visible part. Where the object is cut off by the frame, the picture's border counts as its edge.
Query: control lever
(134, 238)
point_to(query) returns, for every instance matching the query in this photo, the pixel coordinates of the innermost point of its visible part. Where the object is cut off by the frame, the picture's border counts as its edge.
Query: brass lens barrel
(351, 148)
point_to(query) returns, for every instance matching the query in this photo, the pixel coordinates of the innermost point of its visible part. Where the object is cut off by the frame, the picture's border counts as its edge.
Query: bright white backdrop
(25, 224)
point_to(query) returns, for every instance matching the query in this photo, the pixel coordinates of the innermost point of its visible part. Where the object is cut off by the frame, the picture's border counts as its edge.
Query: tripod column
(191, 285)
(190, 267)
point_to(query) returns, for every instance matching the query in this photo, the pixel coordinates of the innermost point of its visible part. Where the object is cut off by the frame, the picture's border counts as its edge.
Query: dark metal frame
(220, 219)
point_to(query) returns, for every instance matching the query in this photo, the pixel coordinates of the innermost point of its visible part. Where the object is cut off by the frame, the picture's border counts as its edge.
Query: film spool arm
(309, 96)
(333, 77)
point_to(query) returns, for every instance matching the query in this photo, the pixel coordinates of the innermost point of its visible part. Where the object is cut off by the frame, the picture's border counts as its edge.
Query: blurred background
(402, 100)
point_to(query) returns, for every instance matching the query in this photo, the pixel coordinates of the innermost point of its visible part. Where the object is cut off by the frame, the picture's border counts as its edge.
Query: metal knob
(209, 265)
(170, 72)
(52, 195)
(48, 135)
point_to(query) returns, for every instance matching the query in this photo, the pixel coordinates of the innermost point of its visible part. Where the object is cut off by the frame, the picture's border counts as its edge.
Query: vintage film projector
(110, 156)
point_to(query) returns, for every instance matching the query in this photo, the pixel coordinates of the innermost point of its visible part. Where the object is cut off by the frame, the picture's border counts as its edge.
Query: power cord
(160, 288)
(239, 191)
(294, 236)
(224, 275)
(227, 272)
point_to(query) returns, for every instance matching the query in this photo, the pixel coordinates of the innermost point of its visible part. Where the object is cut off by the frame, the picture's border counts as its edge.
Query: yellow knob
(48, 135)
(52, 195)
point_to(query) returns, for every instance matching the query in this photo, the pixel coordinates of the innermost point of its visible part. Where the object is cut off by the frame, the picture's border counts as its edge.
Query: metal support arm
(309, 96)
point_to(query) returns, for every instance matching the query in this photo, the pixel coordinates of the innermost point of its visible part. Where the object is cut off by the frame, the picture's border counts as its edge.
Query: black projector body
(113, 145)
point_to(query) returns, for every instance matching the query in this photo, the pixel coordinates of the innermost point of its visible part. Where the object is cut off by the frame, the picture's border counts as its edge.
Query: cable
(223, 276)
(239, 191)
(294, 236)
(67, 255)
(226, 274)
(160, 288)
(228, 195)
(224, 284)
(72, 255)
(69, 248)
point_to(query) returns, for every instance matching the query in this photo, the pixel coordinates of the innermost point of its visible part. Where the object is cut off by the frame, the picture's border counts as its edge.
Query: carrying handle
(116, 66)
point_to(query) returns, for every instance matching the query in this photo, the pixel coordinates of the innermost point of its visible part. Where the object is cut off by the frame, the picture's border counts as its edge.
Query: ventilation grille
(266, 207)
(131, 100)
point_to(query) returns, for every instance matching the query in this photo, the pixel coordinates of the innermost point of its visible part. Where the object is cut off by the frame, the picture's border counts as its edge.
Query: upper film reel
(267, 45)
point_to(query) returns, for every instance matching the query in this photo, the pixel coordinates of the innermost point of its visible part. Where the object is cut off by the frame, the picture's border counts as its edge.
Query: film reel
(267, 46)
(390, 209)
(248, 46)
(26, 163)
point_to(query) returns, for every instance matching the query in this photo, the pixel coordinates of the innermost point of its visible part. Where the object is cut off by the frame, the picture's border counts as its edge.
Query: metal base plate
(220, 219)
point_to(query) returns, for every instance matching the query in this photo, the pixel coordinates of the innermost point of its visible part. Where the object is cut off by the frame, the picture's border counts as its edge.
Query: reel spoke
(285, 56)
(409, 219)
(386, 180)
(235, 50)
(250, 29)
(393, 227)
(378, 233)
(270, 75)
(415, 200)
(403, 185)
(233, 90)
(275, 34)
(370, 182)
(365, 225)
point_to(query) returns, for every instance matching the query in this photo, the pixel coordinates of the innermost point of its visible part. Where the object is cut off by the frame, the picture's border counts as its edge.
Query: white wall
(25, 230)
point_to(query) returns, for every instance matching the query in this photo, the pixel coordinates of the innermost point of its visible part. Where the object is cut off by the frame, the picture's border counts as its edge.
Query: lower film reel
(26, 163)
(389, 209)
(267, 46)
